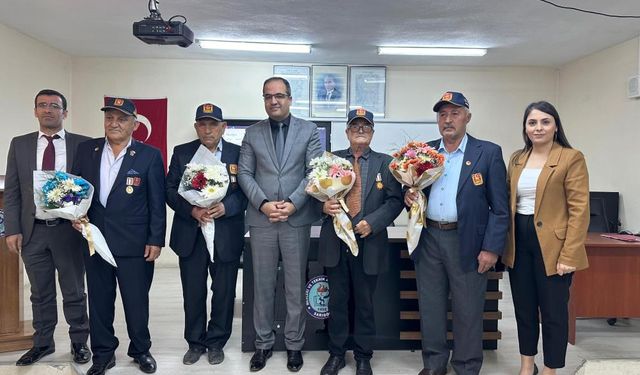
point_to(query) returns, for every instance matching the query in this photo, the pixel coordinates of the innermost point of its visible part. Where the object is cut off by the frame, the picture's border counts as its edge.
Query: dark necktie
(49, 155)
(353, 196)
(280, 142)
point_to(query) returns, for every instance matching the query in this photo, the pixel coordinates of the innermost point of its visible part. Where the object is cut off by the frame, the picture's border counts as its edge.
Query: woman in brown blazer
(549, 201)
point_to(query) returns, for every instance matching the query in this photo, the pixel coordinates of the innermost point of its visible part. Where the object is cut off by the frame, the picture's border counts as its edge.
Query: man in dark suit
(129, 209)
(188, 242)
(374, 201)
(329, 90)
(274, 162)
(47, 246)
(466, 225)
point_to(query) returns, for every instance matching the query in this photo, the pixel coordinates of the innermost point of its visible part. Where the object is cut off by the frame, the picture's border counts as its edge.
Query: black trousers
(50, 249)
(133, 276)
(347, 280)
(194, 271)
(535, 294)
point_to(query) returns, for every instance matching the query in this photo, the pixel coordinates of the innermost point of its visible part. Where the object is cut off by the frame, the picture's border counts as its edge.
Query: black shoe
(80, 353)
(101, 368)
(333, 365)
(294, 360)
(146, 363)
(34, 355)
(363, 367)
(192, 355)
(215, 356)
(259, 359)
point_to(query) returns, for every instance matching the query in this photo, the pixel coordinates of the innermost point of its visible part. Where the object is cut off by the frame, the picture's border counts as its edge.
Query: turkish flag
(152, 116)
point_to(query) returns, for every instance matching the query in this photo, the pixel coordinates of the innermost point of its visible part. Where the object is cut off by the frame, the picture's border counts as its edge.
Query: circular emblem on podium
(317, 297)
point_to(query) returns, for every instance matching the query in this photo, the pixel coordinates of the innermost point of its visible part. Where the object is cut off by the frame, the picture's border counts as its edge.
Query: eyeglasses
(360, 128)
(279, 97)
(49, 105)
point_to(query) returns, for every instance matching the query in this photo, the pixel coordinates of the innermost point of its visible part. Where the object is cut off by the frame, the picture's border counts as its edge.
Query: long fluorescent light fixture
(255, 47)
(432, 51)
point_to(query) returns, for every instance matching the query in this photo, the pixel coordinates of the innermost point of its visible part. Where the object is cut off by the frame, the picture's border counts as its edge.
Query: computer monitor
(604, 211)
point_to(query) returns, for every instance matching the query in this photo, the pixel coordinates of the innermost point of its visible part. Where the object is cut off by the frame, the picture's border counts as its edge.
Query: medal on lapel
(379, 184)
(129, 189)
(477, 179)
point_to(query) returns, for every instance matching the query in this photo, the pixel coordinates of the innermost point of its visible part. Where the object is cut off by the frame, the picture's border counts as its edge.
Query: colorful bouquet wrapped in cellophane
(416, 165)
(60, 195)
(333, 177)
(204, 183)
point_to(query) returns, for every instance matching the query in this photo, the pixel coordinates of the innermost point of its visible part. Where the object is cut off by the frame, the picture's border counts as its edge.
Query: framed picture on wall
(329, 91)
(367, 87)
(299, 79)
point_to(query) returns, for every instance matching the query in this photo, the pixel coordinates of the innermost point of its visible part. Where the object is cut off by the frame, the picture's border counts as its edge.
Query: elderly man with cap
(374, 201)
(466, 225)
(189, 244)
(129, 209)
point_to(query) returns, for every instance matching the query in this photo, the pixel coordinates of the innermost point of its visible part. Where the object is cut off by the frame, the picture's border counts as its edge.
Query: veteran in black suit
(189, 244)
(374, 201)
(47, 246)
(129, 209)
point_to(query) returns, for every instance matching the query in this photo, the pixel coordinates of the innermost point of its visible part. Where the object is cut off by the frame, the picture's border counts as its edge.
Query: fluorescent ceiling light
(431, 51)
(255, 47)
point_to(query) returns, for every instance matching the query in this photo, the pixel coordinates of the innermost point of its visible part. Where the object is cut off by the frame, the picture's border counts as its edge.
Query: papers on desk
(621, 237)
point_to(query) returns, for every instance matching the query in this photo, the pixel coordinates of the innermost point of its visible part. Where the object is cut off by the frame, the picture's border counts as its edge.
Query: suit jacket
(561, 210)
(129, 221)
(229, 236)
(18, 194)
(483, 213)
(335, 94)
(261, 177)
(379, 208)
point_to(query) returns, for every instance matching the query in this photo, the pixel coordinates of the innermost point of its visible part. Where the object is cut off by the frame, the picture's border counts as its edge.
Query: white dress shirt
(109, 168)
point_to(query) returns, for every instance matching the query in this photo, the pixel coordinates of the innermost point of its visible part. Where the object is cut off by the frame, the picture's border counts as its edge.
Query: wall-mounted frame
(299, 79)
(329, 91)
(367, 87)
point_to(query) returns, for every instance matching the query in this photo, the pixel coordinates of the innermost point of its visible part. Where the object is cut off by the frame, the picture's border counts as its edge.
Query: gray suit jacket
(261, 177)
(19, 207)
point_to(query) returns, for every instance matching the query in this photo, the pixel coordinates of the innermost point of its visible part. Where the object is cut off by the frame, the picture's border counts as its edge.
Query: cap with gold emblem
(208, 110)
(360, 113)
(123, 105)
(451, 97)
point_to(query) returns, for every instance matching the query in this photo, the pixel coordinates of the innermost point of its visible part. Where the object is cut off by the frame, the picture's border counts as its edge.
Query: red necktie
(353, 196)
(49, 155)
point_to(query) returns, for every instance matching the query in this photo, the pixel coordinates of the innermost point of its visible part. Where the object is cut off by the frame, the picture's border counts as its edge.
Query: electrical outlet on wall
(633, 87)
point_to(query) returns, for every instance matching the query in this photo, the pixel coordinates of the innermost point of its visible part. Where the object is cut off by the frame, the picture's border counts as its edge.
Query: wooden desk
(610, 287)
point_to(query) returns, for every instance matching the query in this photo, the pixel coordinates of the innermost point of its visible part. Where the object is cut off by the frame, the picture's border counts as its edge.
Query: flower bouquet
(416, 165)
(333, 177)
(65, 196)
(204, 183)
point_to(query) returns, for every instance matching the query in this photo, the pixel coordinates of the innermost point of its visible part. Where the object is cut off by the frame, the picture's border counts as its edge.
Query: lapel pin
(96, 149)
(467, 162)
(132, 153)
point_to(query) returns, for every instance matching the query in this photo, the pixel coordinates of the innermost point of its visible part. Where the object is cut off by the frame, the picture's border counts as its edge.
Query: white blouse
(526, 192)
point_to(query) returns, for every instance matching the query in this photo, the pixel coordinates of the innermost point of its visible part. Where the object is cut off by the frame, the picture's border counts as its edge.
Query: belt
(50, 222)
(442, 225)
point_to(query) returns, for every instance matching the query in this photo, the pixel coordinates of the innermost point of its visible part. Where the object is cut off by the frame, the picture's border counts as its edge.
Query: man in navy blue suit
(189, 244)
(129, 209)
(466, 225)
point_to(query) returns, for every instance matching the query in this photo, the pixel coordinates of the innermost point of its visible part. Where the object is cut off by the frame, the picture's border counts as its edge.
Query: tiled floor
(595, 340)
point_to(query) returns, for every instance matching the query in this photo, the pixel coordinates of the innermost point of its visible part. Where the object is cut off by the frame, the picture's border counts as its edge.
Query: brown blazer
(561, 213)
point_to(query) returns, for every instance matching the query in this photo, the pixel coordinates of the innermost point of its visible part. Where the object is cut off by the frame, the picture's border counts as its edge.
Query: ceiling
(516, 32)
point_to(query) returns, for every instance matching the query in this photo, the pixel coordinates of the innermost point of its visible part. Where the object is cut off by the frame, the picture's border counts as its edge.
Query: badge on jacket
(379, 184)
(477, 179)
(233, 168)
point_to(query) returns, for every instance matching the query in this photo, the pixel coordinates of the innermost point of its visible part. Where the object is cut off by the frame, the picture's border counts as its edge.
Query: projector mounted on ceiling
(155, 30)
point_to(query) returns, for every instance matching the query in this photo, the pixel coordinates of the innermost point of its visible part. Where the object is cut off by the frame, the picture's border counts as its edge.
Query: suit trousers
(438, 273)
(267, 245)
(133, 277)
(49, 249)
(535, 294)
(348, 283)
(194, 271)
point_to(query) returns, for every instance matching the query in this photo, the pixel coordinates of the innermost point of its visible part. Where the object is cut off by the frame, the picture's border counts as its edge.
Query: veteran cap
(208, 110)
(360, 113)
(123, 105)
(451, 97)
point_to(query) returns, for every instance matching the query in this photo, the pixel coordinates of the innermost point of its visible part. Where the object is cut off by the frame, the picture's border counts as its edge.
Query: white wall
(26, 67)
(604, 124)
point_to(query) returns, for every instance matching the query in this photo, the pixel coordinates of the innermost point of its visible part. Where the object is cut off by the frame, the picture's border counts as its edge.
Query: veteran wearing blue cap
(129, 209)
(189, 244)
(466, 225)
(374, 201)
